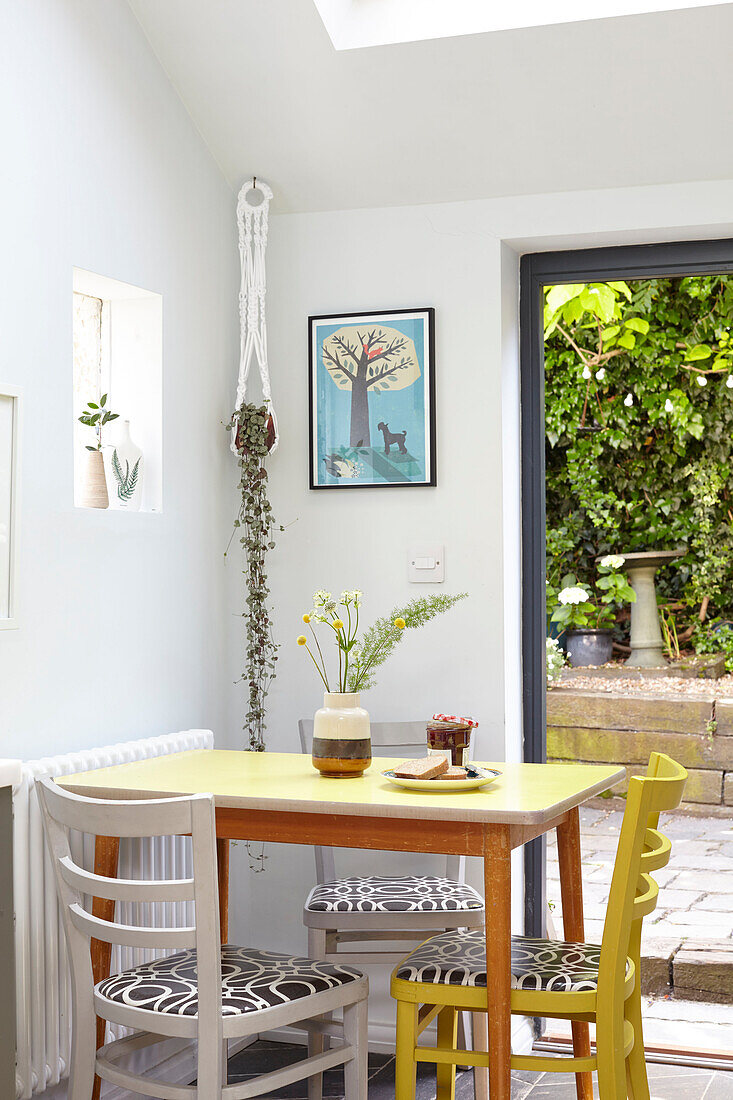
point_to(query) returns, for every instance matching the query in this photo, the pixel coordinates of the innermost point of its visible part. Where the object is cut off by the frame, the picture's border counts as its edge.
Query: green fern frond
(132, 484)
(116, 468)
(382, 636)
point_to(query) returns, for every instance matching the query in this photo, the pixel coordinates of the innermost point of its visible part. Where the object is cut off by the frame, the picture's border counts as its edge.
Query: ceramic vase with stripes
(342, 745)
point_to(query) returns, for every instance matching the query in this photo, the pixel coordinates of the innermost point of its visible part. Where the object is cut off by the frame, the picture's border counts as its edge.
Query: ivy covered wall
(639, 420)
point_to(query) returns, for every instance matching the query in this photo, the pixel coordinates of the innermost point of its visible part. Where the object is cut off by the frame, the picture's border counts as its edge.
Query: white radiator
(43, 986)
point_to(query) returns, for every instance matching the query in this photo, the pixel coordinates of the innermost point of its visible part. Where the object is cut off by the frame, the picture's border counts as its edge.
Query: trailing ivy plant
(252, 426)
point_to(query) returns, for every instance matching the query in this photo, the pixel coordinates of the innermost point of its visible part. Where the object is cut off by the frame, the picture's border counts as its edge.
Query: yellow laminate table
(279, 797)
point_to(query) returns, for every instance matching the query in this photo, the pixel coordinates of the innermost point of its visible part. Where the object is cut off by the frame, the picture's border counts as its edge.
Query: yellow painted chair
(553, 979)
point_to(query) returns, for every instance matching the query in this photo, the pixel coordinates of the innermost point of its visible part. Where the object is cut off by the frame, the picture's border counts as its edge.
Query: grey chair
(203, 991)
(349, 918)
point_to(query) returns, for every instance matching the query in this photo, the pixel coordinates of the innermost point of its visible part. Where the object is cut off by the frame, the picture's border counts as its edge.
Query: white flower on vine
(729, 381)
(702, 380)
(612, 561)
(573, 594)
(586, 372)
(629, 400)
(668, 406)
(601, 374)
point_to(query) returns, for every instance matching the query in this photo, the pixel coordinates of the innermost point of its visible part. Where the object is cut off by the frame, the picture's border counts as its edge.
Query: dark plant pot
(589, 647)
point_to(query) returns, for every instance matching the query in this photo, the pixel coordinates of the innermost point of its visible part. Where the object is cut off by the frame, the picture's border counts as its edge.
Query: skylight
(356, 23)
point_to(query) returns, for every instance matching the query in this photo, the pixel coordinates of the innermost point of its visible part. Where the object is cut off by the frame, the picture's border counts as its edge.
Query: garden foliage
(639, 421)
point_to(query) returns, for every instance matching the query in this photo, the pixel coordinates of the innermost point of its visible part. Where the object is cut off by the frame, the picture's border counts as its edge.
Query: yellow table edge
(295, 786)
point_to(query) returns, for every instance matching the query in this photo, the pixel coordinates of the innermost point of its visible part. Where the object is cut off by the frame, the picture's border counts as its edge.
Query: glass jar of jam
(450, 739)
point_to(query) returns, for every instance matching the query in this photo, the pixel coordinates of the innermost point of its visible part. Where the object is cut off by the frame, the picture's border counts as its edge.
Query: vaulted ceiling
(605, 103)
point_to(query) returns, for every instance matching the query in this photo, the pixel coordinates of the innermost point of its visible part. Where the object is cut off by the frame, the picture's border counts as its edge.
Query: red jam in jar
(450, 739)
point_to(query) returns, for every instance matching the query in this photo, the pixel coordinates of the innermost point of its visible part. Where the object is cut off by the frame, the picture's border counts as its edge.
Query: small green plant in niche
(253, 430)
(96, 416)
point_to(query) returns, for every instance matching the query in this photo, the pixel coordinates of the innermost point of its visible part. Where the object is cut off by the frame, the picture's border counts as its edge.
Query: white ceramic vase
(342, 744)
(124, 465)
(94, 487)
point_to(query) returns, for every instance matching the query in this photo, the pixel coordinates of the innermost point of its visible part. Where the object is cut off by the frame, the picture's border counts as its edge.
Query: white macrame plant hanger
(252, 223)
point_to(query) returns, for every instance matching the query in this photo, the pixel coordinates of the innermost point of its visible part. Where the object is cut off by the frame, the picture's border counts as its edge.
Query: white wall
(120, 613)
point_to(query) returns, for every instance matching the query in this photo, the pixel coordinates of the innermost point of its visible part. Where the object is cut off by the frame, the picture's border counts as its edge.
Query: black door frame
(537, 270)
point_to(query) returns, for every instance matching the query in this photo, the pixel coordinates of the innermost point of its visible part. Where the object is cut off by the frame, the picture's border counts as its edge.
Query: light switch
(425, 563)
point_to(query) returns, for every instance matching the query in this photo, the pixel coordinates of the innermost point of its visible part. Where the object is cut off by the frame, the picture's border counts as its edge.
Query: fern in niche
(127, 482)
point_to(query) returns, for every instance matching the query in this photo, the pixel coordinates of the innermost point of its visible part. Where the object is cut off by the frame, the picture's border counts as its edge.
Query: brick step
(704, 972)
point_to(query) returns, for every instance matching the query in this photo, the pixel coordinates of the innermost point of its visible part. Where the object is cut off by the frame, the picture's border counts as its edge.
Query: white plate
(479, 778)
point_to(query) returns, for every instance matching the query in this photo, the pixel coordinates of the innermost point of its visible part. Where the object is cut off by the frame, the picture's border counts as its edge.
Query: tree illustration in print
(368, 361)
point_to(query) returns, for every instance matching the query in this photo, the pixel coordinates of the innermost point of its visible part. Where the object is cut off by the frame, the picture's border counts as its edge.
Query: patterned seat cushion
(408, 894)
(459, 958)
(251, 980)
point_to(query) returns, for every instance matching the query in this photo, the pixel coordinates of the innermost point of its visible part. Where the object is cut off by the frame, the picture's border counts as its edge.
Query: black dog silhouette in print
(392, 437)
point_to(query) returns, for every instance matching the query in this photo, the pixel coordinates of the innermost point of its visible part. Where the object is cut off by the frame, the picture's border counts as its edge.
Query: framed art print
(372, 399)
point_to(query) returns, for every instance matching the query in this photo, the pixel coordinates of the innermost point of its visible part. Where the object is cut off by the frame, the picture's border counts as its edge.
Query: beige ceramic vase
(342, 744)
(94, 491)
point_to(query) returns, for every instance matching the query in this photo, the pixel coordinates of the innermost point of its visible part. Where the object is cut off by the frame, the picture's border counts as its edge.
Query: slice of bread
(454, 772)
(428, 768)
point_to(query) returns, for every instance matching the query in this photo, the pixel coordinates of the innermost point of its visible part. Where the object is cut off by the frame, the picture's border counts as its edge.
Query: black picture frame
(393, 464)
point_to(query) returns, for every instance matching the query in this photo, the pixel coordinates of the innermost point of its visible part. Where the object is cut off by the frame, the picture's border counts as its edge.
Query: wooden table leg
(498, 891)
(106, 857)
(571, 892)
(222, 866)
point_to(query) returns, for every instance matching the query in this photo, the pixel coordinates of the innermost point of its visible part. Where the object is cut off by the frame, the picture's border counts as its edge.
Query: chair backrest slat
(150, 817)
(657, 850)
(120, 889)
(645, 901)
(131, 935)
(401, 740)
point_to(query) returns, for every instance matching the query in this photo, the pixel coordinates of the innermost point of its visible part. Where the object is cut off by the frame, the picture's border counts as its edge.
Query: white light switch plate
(426, 563)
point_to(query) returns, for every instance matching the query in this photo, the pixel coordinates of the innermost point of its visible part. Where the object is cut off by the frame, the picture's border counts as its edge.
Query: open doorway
(640, 380)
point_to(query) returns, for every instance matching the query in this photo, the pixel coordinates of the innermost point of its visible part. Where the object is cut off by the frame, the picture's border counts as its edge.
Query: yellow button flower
(400, 624)
(338, 624)
(306, 618)
(302, 640)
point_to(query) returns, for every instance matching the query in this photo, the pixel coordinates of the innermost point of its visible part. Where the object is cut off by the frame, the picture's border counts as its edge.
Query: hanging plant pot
(589, 647)
(270, 437)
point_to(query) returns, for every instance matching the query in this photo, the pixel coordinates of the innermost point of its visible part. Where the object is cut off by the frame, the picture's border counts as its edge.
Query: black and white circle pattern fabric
(408, 894)
(251, 980)
(459, 958)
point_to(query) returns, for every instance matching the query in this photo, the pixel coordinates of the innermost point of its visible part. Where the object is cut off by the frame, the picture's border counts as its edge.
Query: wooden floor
(666, 1082)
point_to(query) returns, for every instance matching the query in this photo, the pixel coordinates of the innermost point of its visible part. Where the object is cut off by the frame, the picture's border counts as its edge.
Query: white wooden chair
(204, 991)
(361, 912)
